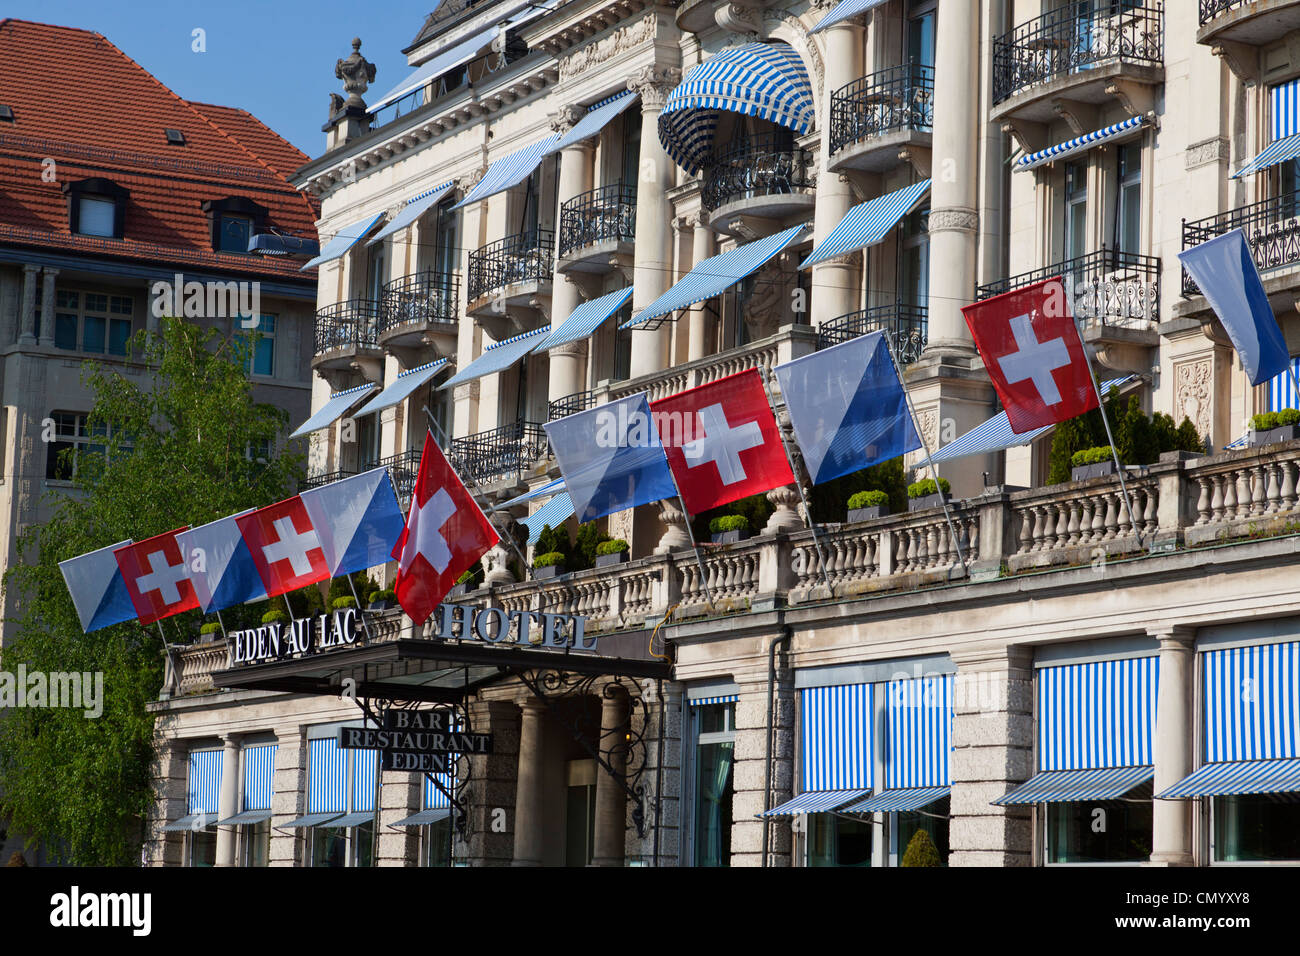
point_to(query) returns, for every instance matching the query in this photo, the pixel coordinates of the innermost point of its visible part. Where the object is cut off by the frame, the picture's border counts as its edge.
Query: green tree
(921, 851)
(179, 454)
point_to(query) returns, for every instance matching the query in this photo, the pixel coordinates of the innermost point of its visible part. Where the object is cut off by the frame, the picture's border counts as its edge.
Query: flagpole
(360, 611)
(807, 511)
(1114, 452)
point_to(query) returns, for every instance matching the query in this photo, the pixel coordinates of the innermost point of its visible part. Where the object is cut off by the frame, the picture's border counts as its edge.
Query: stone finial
(357, 73)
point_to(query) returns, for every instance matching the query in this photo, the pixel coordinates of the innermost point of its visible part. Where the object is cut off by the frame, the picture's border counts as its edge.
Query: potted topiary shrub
(209, 631)
(275, 616)
(921, 851)
(548, 565)
(927, 494)
(868, 504)
(382, 600)
(341, 602)
(611, 552)
(1270, 427)
(1092, 463)
(728, 529)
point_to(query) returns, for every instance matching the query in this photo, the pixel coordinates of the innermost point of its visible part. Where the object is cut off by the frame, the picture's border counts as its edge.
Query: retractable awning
(509, 170)
(247, 817)
(310, 820)
(553, 487)
(406, 383)
(191, 821)
(584, 320)
(343, 240)
(843, 10)
(1239, 777)
(868, 223)
(714, 276)
(1284, 129)
(1080, 144)
(554, 513)
(497, 357)
(415, 207)
(767, 80)
(448, 59)
(1061, 786)
(335, 408)
(598, 116)
(424, 817)
(822, 801)
(354, 819)
(276, 244)
(899, 801)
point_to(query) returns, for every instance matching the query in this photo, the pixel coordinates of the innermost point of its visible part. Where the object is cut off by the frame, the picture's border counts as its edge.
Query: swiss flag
(445, 533)
(156, 577)
(722, 441)
(1033, 354)
(284, 546)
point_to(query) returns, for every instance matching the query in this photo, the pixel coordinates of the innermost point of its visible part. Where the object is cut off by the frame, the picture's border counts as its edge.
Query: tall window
(92, 322)
(259, 346)
(74, 439)
(446, 257)
(1249, 828)
(341, 782)
(623, 343)
(580, 813)
(920, 34)
(528, 214)
(631, 174)
(1101, 831)
(914, 259)
(835, 840)
(933, 819)
(1128, 199)
(376, 271)
(1076, 209)
(713, 736)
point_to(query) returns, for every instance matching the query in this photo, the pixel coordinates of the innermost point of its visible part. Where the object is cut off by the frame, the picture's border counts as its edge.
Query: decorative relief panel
(1193, 391)
(620, 41)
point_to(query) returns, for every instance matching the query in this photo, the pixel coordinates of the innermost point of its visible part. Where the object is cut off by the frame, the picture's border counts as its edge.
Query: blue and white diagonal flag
(1227, 275)
(611, 458)
(848, 407)
(358, 520)
(220, 565)
(98, 592)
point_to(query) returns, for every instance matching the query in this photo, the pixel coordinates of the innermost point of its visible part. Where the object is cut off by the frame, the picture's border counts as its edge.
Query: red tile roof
(80, 101)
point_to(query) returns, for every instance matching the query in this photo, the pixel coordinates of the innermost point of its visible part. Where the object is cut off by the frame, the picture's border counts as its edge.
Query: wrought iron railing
(607, 214)
(424, 297)
(315, 481)
(906, 327)
(1272, 229)
(757, 166)
(1209, 9)
(1066, 41)
(570, 405)
(1107, 287)
(526, 257)
(402, 467)
(352, 323)
(500, 453)
(901, 97)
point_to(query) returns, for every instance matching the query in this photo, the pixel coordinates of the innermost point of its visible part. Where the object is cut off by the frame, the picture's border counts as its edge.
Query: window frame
(258, 341)
(100, 189)
(82, 312)
(89, 438)
(693, 740)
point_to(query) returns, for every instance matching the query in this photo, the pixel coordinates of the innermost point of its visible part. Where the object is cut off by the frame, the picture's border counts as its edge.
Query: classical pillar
(568, 364)
(489, 840)
(699, 342)
(289, 797)
(1172, 819)
(47, 306)
(610, 844)
(653, 272)
(750, 770)
(169, 768)
(228, 802)
(835, 282)
(528, 788)
(25, 333)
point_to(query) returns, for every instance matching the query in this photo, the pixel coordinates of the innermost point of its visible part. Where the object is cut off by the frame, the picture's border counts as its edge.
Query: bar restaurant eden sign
(419, 740)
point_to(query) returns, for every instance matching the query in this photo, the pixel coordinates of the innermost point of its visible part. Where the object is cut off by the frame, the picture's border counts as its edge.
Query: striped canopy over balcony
(767, 80)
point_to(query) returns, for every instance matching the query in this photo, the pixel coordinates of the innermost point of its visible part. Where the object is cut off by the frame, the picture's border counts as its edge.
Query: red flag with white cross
(1033, 353)
(284, 546)
(446, 532)
(156, 577)
(722, 441)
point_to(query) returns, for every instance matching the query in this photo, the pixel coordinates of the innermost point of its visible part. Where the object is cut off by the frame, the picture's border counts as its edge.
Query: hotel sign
(418, 740)
(304, 635)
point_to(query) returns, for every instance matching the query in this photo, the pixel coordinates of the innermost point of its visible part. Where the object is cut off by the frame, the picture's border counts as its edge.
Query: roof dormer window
(96, 207)
(234, 222)
(175, 137)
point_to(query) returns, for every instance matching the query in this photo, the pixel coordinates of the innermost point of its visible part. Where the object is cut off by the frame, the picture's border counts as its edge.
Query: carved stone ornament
(607, 47)
(737, 18)
(471, 179)
(674, 537)
(1207, 151)
(564, 119)
(466, 391)
(653, 84)
(1193, 393)
(357, 73)
(928, 425)
(954, 220)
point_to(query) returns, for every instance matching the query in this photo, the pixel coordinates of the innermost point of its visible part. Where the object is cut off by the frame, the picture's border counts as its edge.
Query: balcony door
(920, 33)
(376, 270)
(914, 260)
(1076, 211)
(630, 173)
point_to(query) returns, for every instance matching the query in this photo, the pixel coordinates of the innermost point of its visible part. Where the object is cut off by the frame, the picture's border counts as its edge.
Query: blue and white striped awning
(278, 244)
(767, 80)
(1097, 714)
(343, 240)
(497, 357)
(918, 740)
(584, 320)
(1283, 129)
(552, 487)
(435, 799)
(843, 10)
(822, 801)
(327, 777)
(836, 738)
(205, 781)
(1273, 154)
(996, 434)
(365, 766)
(1237, 443)
(415, 207)
(332, 410)
(354, 819)
(1238, 777)
(1281, 391)
(1252, 702)
(310, 820)
(598, 116)
(259, 776)
(509, 170)
(899, 801)
(1080, 144)
(706, 701)
(192, 821)
(448, 59)
(424, 817)
(405, 383)
(1061, 786)
(554, 513)
(868, 223)
(714, 276)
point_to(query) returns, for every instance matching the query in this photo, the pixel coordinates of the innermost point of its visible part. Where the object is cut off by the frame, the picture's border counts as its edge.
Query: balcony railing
(906, 327)
(759, 166)
(900, 98)
(424, 298)
(352, 323)
(1209, 9)
(607, 214)
(315, 481)
(1105, 288)
(500, 453)
(1272, 229)
(1065, 41)
(571, 404)
(402, 467)
(526, 257)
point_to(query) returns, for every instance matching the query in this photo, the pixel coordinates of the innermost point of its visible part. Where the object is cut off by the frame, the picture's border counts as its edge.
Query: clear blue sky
(274, 58)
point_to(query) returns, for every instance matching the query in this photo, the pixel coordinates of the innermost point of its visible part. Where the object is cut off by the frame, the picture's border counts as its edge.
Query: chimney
(349, 118)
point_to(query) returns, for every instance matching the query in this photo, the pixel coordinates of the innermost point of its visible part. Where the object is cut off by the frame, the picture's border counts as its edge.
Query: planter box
(730, 537)
(605, 560)
(1281, 433)
(1098, 469)
(866, 514)
(550, 571)
(935, 500)
(386, 604)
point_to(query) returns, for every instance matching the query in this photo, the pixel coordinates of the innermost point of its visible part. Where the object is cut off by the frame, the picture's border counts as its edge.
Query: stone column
(653, 272)
(228, 802)
(170, 791)
(490, 795)
(610, 843)
(528, 793)
(1172, 819)
(399, 797)
(568, 364)
(749, 774)
(992, 737)
(47, 306)
(699, 342)
(26, 331)
(835, 282)
(290, 797)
